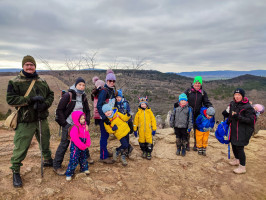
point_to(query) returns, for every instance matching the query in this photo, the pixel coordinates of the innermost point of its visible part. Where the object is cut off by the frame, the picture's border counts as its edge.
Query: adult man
(32, 108)
(197, 98)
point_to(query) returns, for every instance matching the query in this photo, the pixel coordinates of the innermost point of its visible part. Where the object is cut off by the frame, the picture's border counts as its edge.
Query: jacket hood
(203, 111)
(76, 116)
(73, 88)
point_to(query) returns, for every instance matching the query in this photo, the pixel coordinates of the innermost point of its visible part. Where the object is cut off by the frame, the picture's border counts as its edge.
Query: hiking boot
(204, 151)
(200, 151)
(144, 154)
(115, 155)
(240, 170)
(69, 178)
(110, 154)
(107, 161)
(234, 162)
(60, 171)
(48, 163)
(195, 148)
(87, 172)
(17, 182)
(130, 149)
(90, 161)
(123, 160)
(178, 151)
(183, 153)
(148, 155)
(187, 147)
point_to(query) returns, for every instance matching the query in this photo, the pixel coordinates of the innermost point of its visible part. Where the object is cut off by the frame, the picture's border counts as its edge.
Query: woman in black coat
(241, 116)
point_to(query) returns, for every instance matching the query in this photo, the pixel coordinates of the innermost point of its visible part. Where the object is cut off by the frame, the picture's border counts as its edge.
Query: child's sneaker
(115, 155)
(123, 160)
(144, 154)
(69, 178)
(200, 151)
(183, 151)
(148, 155)
(204, 151)
(178, 151)
(87, 172)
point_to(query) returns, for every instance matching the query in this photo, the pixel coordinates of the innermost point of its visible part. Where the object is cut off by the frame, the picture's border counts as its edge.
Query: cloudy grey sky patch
(171, 35)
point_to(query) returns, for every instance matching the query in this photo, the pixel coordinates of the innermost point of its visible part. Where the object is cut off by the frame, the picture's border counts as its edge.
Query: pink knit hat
(110, 75)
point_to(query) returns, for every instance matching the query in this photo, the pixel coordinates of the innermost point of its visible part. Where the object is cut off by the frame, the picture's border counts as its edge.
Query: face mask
(80, 91)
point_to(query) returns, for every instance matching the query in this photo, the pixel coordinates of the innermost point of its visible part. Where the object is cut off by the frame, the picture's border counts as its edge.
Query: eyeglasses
(112, 81)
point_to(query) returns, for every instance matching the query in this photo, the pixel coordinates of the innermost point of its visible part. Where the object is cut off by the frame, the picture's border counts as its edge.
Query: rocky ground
(166, 176)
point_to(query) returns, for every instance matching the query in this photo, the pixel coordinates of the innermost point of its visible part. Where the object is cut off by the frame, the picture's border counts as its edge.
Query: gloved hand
(235, 116)
(37, 98)
(128, 114)
(114, 128)
(136, 133)
(107, 121)
(153, 133)
(205, 129)
(188, 130)
(41, 106)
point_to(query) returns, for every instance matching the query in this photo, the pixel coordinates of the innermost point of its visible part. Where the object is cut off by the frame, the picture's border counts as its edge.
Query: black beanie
(240, 91)
(28, 58)
(79, 79)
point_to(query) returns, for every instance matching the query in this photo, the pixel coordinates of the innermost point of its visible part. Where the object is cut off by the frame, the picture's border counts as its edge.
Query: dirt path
(166, 176)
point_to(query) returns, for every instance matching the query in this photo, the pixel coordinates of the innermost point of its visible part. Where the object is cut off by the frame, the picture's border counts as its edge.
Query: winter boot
(144, 154)
(69, 178)
(90, 161)
(183, 151)
(148, 155)
(204, 151)
(115, 155)
(60, 171)
(200, 151)
(234, 162)
(195, 147)
(123, 160)
(48, 163)
(178, 151)
(17, 182)
(107, 161)
(240, 170)
(87, 172)
(130, 149)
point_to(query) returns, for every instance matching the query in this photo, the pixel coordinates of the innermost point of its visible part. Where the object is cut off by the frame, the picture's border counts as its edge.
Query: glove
(114, 128)
(107, 121)
(128, 114)
(205, 129)
(188, 130)
(235, 116)
(37, 98)
(153, 133)
(136, 133)
(41, 106)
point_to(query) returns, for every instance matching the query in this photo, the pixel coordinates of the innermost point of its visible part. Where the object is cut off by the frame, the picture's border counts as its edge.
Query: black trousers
(181, 137)
(62, 148)
(239, 153)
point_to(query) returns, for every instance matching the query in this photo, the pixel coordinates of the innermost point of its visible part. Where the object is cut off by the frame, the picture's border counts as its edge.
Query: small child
(145, 122)
(123, 107)
(80, 141)
(99, 84)
(120, 129)
(181, 121)
(204, 123)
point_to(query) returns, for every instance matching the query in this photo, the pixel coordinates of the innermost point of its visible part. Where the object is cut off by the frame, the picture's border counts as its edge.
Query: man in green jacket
(32, 107)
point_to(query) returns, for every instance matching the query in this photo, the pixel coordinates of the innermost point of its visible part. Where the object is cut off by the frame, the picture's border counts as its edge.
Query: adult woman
(241, 116)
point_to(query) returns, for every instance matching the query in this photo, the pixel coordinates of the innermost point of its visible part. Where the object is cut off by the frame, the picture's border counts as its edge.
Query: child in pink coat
(80, 140)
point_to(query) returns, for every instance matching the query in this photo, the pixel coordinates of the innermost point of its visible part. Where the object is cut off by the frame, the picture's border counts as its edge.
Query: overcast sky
(171, 36)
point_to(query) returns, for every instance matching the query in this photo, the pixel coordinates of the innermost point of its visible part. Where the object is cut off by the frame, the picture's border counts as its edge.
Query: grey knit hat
(211, 111)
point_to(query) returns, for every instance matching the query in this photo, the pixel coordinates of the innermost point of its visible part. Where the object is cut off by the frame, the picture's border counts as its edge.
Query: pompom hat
(110, 75)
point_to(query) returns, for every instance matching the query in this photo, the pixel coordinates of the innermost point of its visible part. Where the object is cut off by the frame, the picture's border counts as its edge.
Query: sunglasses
(112, 81)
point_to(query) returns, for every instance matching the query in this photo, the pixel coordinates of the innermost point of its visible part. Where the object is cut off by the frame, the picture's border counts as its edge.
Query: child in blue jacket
(204, 123)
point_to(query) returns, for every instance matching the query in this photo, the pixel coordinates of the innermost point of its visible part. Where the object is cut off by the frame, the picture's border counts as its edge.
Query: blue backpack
(222, 132)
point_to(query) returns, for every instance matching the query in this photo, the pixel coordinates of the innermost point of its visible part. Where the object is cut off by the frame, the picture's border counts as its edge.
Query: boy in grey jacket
(181, 121)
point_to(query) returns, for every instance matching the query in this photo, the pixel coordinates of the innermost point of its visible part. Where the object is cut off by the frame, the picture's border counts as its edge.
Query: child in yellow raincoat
(118, 126)
(145, 126)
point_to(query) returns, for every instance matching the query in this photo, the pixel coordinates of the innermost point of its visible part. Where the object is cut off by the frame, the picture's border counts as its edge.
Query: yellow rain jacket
(120, 121)
(145, 123)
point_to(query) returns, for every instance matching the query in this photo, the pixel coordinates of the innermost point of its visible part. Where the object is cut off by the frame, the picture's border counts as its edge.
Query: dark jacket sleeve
(249, 116)
(101, 101)
(206, 102)
(87, 111)
(60, 116)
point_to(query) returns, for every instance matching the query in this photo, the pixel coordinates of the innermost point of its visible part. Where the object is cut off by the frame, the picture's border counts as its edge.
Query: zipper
(144, 122)
(237, 124)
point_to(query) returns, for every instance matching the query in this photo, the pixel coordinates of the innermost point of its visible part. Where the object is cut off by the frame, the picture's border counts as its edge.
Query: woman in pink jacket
(80, 140)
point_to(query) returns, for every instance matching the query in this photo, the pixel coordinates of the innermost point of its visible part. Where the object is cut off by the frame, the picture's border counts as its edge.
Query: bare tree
(90, 60)
(114, 65)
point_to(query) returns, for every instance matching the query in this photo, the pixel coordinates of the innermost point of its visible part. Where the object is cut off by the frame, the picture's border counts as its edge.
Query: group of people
(112, 113)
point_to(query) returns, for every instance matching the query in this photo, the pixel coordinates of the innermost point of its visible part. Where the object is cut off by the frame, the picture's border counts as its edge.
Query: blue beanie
(143, 100)
(106, 107)
(182, 96)
(119, 93)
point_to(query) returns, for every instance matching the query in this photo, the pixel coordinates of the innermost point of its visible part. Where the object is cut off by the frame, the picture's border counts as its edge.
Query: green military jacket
(18, 86)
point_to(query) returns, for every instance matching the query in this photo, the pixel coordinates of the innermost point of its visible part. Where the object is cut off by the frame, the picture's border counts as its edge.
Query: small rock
(38, 181)
(80, 175)
(151, 169)
(89, 180)
(49, 191)
(120, 183)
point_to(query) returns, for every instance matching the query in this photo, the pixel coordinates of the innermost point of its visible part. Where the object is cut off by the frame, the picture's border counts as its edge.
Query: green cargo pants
(22, 140)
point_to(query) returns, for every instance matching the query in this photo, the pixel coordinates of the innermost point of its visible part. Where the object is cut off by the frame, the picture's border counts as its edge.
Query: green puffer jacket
(18, 86)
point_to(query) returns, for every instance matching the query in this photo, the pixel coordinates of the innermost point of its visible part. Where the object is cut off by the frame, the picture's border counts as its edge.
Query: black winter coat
(196, 100)
(66, 107)
(242, 123)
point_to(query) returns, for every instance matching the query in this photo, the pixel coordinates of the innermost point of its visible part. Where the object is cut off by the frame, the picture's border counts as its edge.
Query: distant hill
(227, 74)
(10, 70)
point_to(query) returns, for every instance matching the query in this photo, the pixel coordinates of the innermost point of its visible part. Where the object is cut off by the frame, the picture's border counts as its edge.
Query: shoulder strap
(29, 89)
